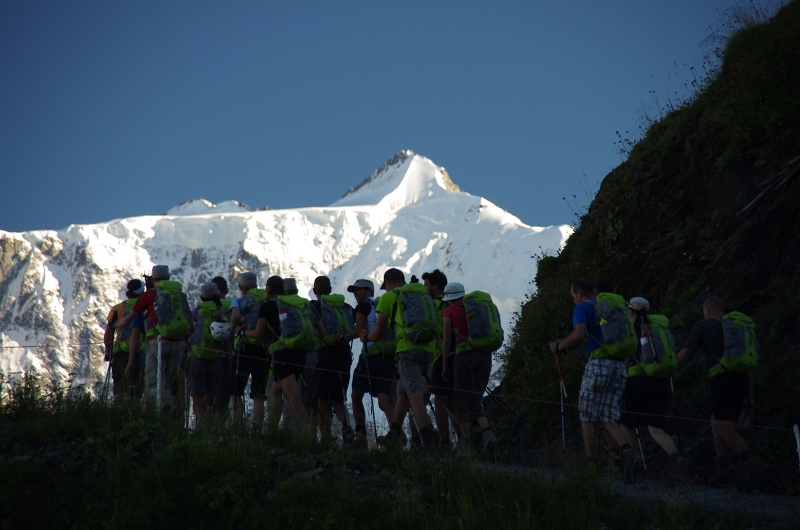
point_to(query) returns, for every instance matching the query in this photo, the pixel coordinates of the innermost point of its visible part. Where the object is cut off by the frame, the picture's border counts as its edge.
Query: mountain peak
(201, 206)
(403, 179)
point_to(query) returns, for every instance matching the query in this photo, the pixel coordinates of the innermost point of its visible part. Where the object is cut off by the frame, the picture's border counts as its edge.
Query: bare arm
(380, 329)
(133, 345)
(259, 332)
(127, 319)
(684, 355)
(108, 337)
(361, 323)
(573, 339)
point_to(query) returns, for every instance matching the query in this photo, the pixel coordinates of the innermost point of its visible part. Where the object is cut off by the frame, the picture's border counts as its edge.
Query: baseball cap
(453, 291)
(247, 279)
(637, 303)
(209, 290)
(392, 274)
(290, 284)
(160, 272)
(361, 284)
(275, 282)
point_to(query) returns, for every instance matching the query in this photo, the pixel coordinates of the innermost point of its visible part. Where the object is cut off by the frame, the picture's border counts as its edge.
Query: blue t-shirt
(584, 314)
(238, 303)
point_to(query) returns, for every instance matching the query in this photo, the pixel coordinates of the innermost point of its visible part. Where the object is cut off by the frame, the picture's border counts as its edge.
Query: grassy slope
(81, 464)
(670, 224)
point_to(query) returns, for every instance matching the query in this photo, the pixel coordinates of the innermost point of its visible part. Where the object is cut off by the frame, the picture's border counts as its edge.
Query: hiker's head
(392, 279)
(290, 284)
(435, 282)
(362, 289)
(209, 291)
(453, 293)
(160, 273)
(134, 288)
(222, 285)
(322, 286)
(275, 287)
(247, 281)
(714, 307)
(638, 307)
(581, 291)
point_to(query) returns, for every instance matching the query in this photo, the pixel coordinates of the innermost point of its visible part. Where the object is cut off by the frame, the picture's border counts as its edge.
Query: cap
(290, 284)
(361, 284)
(247, 279)
(275, 282)
(135, 286)
(209, 290)
(160, 272)
(453, 291)
(392, 274)
(637, 303)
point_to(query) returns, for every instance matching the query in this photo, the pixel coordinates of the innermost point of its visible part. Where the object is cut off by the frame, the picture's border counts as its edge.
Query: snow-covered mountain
(56, 286)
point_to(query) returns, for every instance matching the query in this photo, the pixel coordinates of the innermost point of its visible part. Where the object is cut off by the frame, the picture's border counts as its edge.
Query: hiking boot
(394, 439)
(430, 438)
(347, 432)
(415, 442)
(356, 440)
(630, 463)
(724, 473)
(489, 444)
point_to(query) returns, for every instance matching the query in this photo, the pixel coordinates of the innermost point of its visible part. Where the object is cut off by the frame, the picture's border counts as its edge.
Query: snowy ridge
(199, 206)
(56, 287)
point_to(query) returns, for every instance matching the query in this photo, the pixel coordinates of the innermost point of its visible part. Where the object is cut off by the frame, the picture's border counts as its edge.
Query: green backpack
(172, 310)
(483, 322)
(421, 322)
(124, 334)
(203, 345)
(658, 349)
(388, 343)
(298, 324)
(336, 315)
(249, 313)
(619, 337)
(741, 345)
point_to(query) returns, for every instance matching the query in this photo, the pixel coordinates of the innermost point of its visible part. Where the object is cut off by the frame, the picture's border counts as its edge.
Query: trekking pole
(641, 452)
(158, 374)
(675, 412)
(369, 385)
(797, 438)
(186, 393)
(105, 385)
(562, 394)
(236, 377)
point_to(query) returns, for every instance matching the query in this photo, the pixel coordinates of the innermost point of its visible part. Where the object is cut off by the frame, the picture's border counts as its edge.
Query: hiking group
(416, 340)
(630, 359)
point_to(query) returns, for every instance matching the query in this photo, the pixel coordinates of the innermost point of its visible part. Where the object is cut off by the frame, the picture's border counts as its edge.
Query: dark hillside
(707, 203)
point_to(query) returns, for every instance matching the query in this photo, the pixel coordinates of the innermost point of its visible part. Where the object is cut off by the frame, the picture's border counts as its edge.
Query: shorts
(334, 373)
(601, 391)
(288, 362)
(172, 354)
(254, 363)
(646, 402)
(440, 387)
(470, 376)
(413, 367)
(377, 378)
(122, 386)
(728, 392)
(204, 375)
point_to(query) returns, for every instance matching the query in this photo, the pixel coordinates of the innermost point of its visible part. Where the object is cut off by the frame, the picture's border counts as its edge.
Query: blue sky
(116, 109)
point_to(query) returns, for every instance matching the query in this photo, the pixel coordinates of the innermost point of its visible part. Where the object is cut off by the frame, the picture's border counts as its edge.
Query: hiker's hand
(107, 357)
(128, 370)
(553, 345)
(363, 335)
(446, 374)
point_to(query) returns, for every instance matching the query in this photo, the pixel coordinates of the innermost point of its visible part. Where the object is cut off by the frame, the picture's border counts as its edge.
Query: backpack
(203, 344)
(249, 313)
(619, 337)
(172, 310)
(658, 349)
(741, 345)
(388, 343)
(483, 322)
(421, 323)
(336, 315)
(298, 324)
(124, 334)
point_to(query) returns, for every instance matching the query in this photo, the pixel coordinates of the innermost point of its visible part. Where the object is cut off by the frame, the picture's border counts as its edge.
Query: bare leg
(258, 411)
(341, 412)
(615, 431)
(401, 408)
(418, 408)
(664, 440)
(324, 418)
(442, 420)
(726, 439)
(589, 434)
(199, 408)
(359, 413)
(289, 387)
(630, 435)
(385, 404)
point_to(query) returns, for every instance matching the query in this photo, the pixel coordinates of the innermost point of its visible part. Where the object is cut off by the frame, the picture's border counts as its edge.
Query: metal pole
(797, 438)
(641, 452)
(105, 386)
(369, 386)
(561, 394)
(158, 375)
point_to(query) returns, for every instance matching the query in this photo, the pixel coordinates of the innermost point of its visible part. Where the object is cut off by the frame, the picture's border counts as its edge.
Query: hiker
(287, 363)
(374, 372)
(222, 392)
(118, 350)
(335, 356)
(205, 356)
(414, 356)
(173, 327)
(730, 393)
(444, 402)
(250, 360)
(646, 398)
(471, 371)
(603, 378)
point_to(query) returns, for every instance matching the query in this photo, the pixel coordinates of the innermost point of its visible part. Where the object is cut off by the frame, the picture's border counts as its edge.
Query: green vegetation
(73, 462)
(706, 203)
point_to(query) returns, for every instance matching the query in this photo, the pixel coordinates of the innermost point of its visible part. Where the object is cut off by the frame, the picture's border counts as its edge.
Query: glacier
(56, 286)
